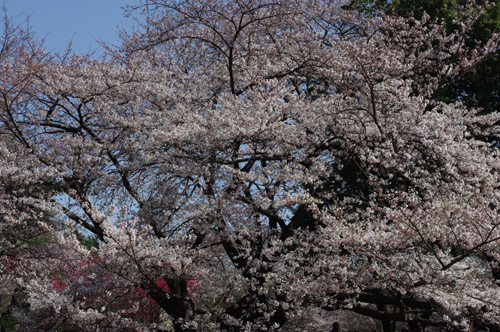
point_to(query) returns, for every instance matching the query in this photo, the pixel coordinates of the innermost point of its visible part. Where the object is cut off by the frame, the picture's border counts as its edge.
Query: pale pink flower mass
(233, 164)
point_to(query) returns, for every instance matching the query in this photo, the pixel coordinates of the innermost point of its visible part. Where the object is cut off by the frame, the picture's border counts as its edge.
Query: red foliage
(133, 301)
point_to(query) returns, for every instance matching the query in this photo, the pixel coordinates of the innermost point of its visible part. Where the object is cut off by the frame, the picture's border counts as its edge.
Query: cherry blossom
(242, 162)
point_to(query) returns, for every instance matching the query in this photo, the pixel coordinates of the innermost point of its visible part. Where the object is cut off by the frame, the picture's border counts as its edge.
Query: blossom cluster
(238, 162)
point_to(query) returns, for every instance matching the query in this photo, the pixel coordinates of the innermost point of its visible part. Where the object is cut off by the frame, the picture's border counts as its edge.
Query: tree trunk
(388, 326)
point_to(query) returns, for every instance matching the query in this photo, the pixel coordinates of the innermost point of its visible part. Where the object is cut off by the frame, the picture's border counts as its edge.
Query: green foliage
(89, 242)
(7, 322)
(479, 87)
(9, 305)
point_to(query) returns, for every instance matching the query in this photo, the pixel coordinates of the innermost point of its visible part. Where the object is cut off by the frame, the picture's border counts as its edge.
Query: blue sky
(82, 21)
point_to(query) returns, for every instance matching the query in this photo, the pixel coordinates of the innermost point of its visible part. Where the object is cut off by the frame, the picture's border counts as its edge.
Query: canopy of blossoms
(239, 162)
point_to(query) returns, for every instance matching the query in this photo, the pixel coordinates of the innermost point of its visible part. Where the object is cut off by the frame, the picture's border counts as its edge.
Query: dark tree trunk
(415, 327)
(388, 325)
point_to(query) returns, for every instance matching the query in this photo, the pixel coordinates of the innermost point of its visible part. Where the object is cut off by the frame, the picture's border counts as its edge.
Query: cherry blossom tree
(243, 161)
